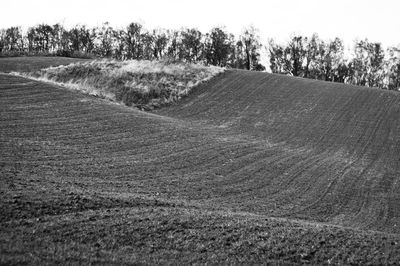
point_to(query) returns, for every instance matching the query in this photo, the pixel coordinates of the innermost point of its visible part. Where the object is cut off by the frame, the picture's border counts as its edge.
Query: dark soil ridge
(165, 234)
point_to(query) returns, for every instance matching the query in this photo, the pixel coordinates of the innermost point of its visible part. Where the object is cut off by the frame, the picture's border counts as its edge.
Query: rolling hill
(340, 158)
(250, 167)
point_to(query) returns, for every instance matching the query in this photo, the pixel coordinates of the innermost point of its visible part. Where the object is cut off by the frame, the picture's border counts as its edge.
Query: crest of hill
(296, 110)
(145, 84)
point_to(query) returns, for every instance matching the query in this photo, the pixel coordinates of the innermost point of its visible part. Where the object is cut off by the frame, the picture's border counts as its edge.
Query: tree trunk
(249, 61)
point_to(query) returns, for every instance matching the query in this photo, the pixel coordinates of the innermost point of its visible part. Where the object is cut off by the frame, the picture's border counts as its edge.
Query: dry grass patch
(144, 84)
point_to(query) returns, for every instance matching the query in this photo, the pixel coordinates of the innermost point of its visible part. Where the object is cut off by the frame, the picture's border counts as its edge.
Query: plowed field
(251, 167)
(340, 158)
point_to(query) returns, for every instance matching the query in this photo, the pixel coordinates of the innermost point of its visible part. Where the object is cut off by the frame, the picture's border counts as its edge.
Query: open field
(335, 149)
(250, 167)
(34, 63)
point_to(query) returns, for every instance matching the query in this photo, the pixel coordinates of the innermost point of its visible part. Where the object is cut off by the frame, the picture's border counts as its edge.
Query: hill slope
(201, 180)
(86, 181)
(340, 159)
(34, 63)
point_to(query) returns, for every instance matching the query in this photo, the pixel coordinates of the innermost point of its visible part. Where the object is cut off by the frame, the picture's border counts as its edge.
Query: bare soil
(250, 168)
(34, 63)
(335, 149)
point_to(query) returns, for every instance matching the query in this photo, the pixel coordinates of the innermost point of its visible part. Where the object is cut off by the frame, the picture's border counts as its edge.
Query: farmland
(250, 167)
(333, 152)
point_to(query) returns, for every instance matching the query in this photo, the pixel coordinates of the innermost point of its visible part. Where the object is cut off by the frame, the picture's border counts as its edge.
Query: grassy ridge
(145, 84)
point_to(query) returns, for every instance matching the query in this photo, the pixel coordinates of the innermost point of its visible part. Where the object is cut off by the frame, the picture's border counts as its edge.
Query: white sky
(347, 19)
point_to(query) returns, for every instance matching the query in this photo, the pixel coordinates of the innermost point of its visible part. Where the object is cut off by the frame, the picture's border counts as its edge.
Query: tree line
(303, 56)
(217, 47)
(310, 57)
